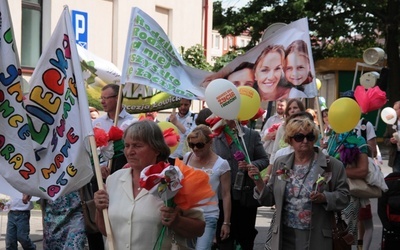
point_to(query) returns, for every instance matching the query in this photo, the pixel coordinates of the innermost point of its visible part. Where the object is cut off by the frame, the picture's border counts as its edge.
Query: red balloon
(370, 99)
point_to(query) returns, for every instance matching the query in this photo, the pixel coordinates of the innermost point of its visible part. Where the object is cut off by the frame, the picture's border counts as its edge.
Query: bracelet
(268, 176)
(226, 223)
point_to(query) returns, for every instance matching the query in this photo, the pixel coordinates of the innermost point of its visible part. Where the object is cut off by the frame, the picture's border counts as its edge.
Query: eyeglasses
(299, 137)
(197, 145)
(107, 97)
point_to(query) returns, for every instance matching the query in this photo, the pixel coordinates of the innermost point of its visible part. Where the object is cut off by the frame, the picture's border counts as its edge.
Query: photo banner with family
(44, 146)
(279, 67)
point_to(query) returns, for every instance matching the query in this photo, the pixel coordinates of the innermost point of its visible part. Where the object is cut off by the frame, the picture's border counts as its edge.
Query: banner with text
(152, 60)
(279, 67)
(17, 160)
(58, 111)
(138, 98)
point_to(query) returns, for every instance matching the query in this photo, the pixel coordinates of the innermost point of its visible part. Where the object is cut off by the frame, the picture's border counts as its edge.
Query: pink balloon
(370, 99)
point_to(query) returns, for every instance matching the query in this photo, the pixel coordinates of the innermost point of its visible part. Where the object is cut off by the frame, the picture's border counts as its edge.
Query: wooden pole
(319, 115)
(99, 178)
(117, 111)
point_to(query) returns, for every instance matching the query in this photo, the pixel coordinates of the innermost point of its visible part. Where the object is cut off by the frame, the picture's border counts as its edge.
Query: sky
(234, 3)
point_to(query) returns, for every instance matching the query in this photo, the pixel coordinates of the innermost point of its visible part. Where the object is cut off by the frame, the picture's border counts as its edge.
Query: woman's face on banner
(297, 68)
(243, 77)
(268, 72)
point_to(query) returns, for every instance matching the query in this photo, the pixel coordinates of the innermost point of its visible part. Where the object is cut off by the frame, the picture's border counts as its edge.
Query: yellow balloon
(344, 114)
(249, 102)
(319, 83)
(166, 125)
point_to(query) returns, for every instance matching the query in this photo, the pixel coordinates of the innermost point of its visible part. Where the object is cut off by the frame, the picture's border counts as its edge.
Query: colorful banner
(138, 98)
(58, 113)
(152, 60)
(279, 67)
(17, 158)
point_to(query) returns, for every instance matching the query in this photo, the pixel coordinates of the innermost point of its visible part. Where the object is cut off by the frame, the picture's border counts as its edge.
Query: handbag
(89, 208)
(361, 189)
(341, 238)
(371, 186)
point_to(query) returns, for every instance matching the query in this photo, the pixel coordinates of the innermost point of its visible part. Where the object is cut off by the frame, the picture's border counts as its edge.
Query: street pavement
(264, 216)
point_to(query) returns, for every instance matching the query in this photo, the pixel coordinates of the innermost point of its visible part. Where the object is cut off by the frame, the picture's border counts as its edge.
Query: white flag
(17, 158)
(58, 111)
(151, 59)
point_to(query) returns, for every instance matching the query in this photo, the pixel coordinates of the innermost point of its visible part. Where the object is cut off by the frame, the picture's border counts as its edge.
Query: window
(216, 41)
(225, 43)
(31, 32)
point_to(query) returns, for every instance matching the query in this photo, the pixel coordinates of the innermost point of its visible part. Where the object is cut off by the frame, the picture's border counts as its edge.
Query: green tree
(194, 56)
(337, 28)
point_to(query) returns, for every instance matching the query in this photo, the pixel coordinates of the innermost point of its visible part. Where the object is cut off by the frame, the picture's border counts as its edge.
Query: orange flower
(195, 187)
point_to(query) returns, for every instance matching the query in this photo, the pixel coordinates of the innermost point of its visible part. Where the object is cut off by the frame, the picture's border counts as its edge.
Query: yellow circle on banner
(344, 114)
(250, 103)
(319, 83)
(166, 125)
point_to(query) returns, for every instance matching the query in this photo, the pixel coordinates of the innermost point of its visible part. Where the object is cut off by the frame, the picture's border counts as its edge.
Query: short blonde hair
(298, 124)
(201, 131)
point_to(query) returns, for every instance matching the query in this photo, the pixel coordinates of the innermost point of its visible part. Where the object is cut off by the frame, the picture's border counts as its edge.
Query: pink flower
(239, 156)
(274, 127)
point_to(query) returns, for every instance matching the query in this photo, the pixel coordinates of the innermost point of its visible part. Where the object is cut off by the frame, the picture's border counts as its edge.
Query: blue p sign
(80, 24)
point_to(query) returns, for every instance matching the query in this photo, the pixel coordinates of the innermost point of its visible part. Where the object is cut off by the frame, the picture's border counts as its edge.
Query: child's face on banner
(268, 72)
(297, 68)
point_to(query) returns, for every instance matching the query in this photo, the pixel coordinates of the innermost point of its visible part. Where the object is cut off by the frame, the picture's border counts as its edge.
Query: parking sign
(80, 24)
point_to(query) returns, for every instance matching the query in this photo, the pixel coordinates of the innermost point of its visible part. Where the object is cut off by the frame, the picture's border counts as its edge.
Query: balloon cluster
(230, 102)
(345, 113)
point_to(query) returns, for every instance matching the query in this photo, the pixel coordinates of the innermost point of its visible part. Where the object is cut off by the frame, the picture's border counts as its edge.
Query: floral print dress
(63, 223)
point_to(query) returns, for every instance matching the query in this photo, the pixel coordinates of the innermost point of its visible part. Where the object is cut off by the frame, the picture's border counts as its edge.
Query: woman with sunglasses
(202, 157)
(306, 189)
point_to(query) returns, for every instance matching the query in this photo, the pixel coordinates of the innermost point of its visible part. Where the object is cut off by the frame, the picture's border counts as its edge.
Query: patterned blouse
(297, 208)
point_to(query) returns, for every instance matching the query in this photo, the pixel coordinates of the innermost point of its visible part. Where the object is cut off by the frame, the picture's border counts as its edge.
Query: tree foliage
(194, 56)
(337, 28)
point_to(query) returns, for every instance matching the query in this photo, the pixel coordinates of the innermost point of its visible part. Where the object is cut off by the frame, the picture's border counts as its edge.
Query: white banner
(17, 158)
(152, 60)
(58, 111)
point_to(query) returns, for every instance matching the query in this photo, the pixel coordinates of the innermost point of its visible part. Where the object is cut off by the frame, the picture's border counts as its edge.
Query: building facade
(101, 26)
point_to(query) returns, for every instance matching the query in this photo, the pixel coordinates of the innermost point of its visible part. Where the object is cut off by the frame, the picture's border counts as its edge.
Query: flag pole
(79, 81)
(117, 109)
(99, 178)
(319, 115)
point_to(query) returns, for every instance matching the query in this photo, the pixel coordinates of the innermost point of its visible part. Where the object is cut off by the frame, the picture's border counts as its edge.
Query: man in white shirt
(184, 120)
(18, 223)
(267, 137)
(109, 100)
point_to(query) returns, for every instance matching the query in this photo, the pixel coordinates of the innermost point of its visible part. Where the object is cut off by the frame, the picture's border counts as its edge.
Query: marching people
(137, 216)
(305, 204)
(18, 225)
(202, 157)
(184, 120)
(244, 206)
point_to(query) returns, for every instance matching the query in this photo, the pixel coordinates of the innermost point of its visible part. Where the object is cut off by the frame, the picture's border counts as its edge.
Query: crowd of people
(304, 175)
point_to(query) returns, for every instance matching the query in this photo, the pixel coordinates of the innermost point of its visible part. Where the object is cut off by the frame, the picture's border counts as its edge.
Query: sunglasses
(299, 137)
(197, 145)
